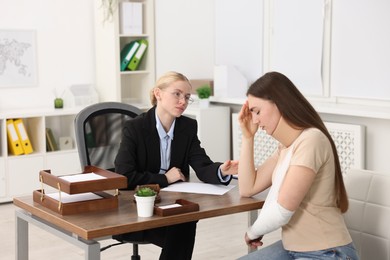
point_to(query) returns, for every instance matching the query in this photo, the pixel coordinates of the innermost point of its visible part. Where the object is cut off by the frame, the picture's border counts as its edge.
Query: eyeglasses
(178, 95)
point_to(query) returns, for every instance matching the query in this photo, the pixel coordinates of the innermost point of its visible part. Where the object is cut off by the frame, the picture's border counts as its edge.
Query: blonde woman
(159, 146)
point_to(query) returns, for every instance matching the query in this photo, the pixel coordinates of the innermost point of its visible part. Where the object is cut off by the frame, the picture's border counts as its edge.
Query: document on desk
(196, 187)
(69, 198)
(82, 177)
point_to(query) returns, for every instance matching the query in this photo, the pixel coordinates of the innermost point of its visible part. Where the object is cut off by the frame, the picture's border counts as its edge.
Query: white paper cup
(145, 205)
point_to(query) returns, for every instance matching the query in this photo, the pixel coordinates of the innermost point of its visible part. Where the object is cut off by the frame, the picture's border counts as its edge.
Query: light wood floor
(217, 238)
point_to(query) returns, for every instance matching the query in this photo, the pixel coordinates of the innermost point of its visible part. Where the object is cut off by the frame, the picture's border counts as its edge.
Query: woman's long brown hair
(297, 110)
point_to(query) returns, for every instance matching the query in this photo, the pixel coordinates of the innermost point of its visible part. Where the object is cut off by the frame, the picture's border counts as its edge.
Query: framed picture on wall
(18, 65)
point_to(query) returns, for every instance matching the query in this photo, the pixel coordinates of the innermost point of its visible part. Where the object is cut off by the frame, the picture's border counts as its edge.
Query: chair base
(135, 255)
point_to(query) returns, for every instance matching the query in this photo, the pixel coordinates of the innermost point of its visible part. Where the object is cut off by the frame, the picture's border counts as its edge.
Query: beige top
(317, 223)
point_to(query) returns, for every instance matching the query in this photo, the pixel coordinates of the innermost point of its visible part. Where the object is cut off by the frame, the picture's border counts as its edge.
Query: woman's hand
(253, 243)
(248, 128)
(229, 168)
(174, 175)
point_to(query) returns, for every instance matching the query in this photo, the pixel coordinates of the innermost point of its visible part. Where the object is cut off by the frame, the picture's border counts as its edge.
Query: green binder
(127, 53)
(136, 59)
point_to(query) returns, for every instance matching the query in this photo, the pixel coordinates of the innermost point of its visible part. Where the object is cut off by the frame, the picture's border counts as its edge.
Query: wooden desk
(83, 230)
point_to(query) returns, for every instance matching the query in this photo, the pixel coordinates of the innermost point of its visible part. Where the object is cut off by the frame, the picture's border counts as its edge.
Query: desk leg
(91, 247)
(92, 250)
(252, 216)
(21, 238)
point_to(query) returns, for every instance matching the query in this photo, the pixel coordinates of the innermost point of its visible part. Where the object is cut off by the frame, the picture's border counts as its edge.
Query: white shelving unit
(19, 173)
(111, 83)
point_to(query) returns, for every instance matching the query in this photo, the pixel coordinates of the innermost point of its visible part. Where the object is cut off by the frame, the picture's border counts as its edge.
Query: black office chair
(98, 131)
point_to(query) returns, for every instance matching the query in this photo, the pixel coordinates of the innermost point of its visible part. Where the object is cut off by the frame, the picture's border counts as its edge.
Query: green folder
(127, 53)
(136, 59)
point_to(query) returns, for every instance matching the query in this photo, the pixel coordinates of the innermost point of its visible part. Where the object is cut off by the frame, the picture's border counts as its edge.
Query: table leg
(21, 238)
(91, 247)
(92, 251)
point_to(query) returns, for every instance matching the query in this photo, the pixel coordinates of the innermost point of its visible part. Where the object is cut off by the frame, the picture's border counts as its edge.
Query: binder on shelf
(131, 18)
(136, 59)
(14, 145)
(127, 53)
(51, 144)
(23, 136)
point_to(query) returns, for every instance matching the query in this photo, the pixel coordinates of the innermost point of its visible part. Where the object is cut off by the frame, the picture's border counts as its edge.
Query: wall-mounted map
(17, 58)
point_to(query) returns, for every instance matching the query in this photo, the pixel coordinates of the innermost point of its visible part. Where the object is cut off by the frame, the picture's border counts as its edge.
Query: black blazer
(139, 159)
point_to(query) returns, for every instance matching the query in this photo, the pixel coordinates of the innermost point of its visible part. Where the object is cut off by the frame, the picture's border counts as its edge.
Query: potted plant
(145, 192)
(145, 197)
(204, 93)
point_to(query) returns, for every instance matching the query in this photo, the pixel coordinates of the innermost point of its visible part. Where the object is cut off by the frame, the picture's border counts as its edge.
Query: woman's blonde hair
(165, 81)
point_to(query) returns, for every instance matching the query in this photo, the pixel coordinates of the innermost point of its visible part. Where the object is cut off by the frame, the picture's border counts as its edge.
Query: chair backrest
(368, 217)
(98, 131)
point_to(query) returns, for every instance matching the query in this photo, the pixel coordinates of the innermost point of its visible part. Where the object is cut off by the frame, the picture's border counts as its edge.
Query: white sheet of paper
(170, 206)
(82, 177)
(68, 198)
(202, 188)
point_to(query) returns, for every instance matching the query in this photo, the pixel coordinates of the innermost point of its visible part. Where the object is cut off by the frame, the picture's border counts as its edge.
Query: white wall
(64, 47)
(173, 56)
(185, 42)
(185, 37)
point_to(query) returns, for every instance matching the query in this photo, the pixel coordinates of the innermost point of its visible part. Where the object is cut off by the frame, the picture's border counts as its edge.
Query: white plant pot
(204, 102)
(145, 205)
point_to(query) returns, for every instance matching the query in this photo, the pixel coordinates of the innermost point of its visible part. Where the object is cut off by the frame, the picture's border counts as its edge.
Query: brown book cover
(51, 143)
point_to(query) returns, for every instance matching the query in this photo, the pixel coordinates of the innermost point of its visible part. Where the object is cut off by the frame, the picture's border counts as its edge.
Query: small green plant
(146, 192)
(204, 91)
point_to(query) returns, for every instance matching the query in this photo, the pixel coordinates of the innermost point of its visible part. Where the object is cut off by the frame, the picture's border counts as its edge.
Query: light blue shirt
(165, 149)
(165, 144)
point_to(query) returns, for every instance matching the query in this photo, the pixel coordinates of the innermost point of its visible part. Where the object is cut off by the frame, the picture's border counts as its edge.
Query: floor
(219, 238)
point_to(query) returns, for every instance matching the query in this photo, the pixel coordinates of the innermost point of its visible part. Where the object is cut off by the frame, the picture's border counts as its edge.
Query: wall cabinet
(19, 173)
(113, 84)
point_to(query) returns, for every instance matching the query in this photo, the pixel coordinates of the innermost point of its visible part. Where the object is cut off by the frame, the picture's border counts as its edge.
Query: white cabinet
(213, 130)
(113, 84)
(2, 178)
(19, 173)
(23, 174)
